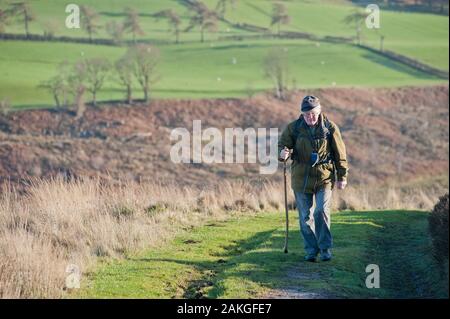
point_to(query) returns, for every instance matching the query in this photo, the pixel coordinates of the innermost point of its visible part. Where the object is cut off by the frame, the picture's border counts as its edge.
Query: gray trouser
(315, 227)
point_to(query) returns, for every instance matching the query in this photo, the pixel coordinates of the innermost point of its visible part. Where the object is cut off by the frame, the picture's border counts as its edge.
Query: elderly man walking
(319, 164)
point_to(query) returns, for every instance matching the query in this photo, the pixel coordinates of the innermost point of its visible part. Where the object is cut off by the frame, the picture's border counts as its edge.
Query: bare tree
(442, 5)
(222, 5)
(3, 20)
(276, 68)
(131, 23)
(5, 107)
(49, 28)
(382, 37)
(145, 59)
(174, 22)
(89, 20)
(57, 87)
(115, 30)
(279, 16)
(96, 70)
(203, 18)
(4, 17)
(250, 90)
(357, 18)
(124, 71)
(76, 81)
(25, 14)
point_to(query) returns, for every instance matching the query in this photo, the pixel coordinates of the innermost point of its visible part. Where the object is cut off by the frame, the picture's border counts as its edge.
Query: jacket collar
(320, 124)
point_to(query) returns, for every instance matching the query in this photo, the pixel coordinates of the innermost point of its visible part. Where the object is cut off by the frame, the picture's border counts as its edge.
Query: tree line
(201, 17)
(88, 75)
(138, 65)
(436, 6)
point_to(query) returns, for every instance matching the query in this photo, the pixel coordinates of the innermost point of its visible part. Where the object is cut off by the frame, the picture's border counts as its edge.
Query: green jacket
(326, 140)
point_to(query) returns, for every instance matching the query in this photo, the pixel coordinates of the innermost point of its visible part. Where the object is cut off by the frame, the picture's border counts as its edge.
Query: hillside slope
(390, 133)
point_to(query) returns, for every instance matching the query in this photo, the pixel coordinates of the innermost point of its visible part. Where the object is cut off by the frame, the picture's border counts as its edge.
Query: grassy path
(243, 258)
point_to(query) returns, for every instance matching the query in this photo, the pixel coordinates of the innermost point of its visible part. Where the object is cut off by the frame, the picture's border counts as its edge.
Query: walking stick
(286, 209)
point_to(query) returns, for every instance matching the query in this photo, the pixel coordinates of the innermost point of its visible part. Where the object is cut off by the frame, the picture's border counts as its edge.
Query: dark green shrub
(438, 226)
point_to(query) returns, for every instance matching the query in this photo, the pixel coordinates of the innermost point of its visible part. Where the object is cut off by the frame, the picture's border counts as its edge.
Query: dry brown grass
(392, 198)
(58, 223)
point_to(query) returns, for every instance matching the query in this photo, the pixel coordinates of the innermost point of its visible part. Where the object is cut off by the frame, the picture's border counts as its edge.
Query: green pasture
(417, 35)
(204, 70)
(421, 36)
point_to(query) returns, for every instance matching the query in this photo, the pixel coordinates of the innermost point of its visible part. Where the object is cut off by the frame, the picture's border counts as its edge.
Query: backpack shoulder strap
(296, 131)
(329, 132)
(295, 134)
(328, 128)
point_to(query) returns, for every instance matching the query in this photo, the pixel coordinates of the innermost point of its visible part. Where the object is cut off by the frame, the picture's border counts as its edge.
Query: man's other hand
(341, 184)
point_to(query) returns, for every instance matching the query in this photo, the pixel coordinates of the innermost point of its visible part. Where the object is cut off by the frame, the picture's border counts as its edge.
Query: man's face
(311, 117)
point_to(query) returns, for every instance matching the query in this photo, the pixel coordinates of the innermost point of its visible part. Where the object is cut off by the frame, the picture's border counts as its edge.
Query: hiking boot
(310, 258)
(325, 255)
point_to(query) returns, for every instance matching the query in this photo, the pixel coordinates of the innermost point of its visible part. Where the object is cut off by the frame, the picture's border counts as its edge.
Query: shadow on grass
(399, 67)
(258, 9)
(236, 253)
(267, 45)
(260, 259)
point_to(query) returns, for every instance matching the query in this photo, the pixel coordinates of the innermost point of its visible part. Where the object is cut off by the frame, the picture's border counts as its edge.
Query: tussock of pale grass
(30, 266)
(392, 197)
(58, 223)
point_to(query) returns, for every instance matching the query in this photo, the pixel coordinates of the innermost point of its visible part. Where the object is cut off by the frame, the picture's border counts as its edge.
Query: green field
(417, 35)
(243, 258)
(52, 12)
(204, 70)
